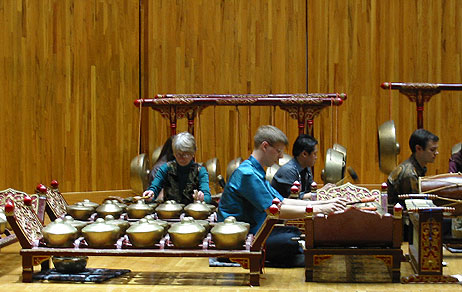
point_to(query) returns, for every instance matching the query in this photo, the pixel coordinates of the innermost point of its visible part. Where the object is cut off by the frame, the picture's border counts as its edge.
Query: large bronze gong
(232, 166)
(334, 169)
(456, 148)
(139, 173)
(388, 147)
(215, 177)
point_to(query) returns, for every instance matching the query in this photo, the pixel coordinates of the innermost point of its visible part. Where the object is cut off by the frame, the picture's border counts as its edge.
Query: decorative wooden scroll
(420, 93)
(301, 106)
(14, 196)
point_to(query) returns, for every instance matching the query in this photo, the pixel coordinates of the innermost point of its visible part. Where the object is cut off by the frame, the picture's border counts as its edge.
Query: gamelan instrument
(388, 147)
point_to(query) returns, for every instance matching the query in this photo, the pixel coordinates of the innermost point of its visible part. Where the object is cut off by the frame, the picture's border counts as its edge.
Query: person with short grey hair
(182, 179)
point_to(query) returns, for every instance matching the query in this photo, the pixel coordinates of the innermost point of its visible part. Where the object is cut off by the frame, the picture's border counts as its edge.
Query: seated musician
(305, 151)
(404, 179)
(181, 176)
(248, 196)
(455, 162)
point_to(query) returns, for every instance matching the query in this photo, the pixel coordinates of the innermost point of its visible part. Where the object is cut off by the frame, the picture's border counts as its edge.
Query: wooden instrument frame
(28, 227)
(386, 247)
(301, 106)
(420, 93)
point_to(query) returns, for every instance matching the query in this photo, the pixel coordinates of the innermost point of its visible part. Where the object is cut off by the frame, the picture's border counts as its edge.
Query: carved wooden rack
(420, 93)
(301, 106)
(28, 229)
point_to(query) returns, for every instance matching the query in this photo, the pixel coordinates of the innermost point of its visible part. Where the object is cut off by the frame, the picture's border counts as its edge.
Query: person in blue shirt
(248, 195)
(181, 176)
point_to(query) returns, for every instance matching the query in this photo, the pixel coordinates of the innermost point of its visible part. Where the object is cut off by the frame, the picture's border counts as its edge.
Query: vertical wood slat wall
(70, 71)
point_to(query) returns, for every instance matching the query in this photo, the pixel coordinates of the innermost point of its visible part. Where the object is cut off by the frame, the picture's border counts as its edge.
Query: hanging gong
(285, 158)
(271, 171)
(232, 166)
(456, 148)
(213, 168)
(342, 150)
(155, 155)
(139, 173)
(334, 168)
(388, 147)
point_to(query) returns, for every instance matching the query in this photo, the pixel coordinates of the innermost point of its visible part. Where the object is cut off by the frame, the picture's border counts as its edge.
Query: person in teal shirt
(247, 196)
(181, 176)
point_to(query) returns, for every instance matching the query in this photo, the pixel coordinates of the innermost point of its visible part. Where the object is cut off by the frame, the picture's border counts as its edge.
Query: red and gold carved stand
(301, 106)
(420, 93)
(426, 250)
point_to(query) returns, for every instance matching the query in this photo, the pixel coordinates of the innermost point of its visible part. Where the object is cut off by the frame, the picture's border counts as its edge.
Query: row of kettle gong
(145, 233)
(167, 210)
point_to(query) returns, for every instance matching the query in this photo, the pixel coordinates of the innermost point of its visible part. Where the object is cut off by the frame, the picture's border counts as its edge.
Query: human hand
(148, 194)
(328, 208)
(198, 195)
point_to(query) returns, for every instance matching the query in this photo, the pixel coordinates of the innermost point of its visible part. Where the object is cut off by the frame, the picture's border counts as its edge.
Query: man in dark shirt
(305, 152)
(404, 179)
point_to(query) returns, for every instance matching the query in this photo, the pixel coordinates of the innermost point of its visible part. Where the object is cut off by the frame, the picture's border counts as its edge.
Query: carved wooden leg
(27, 268)
(396, 267)
(255, 267)
(308, 267)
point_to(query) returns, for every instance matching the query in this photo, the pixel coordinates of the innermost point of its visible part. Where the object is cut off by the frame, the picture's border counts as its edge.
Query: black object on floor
(88, 275)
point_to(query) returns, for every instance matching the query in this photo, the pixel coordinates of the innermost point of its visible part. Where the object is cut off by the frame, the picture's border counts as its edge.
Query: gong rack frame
(28, 229)
(420, 93)
(301, 106)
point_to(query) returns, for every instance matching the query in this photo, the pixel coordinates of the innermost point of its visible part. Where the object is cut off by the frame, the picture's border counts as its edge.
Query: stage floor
(188, 274)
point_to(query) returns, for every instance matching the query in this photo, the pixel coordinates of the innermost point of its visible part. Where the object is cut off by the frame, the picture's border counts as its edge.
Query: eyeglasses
(280, 151)
(183, 154)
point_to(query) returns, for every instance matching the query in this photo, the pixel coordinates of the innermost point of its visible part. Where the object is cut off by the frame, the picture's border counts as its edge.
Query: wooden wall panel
(354, 46)
(226, 47)
(69, 75)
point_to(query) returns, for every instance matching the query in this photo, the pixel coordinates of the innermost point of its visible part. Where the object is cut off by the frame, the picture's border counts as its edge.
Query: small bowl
(70, 265)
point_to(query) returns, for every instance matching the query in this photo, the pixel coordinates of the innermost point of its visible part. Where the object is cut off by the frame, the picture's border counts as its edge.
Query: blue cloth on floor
(88, 275)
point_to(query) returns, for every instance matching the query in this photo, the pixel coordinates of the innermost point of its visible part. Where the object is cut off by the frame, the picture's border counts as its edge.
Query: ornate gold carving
(244, 262)
(318, 259)
(348, 191)
(28, 222)
(37, 260)
(418, 86)
(429, 279)
(430, 246)
(387, 259)
(56, 202)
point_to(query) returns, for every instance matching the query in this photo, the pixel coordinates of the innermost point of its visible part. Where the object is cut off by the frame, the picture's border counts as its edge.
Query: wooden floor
(188, 274)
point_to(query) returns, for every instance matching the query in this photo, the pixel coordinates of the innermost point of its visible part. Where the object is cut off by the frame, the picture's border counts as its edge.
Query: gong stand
(420, 93)
(303, 107)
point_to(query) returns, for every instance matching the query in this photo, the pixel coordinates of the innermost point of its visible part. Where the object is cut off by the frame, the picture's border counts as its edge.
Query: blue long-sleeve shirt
(247, 195)
(181, 180)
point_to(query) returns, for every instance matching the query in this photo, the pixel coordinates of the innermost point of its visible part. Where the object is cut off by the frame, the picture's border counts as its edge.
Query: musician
(181, 176)
(455, 162)
(405, 177)
(248, 196)
(305, 152)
